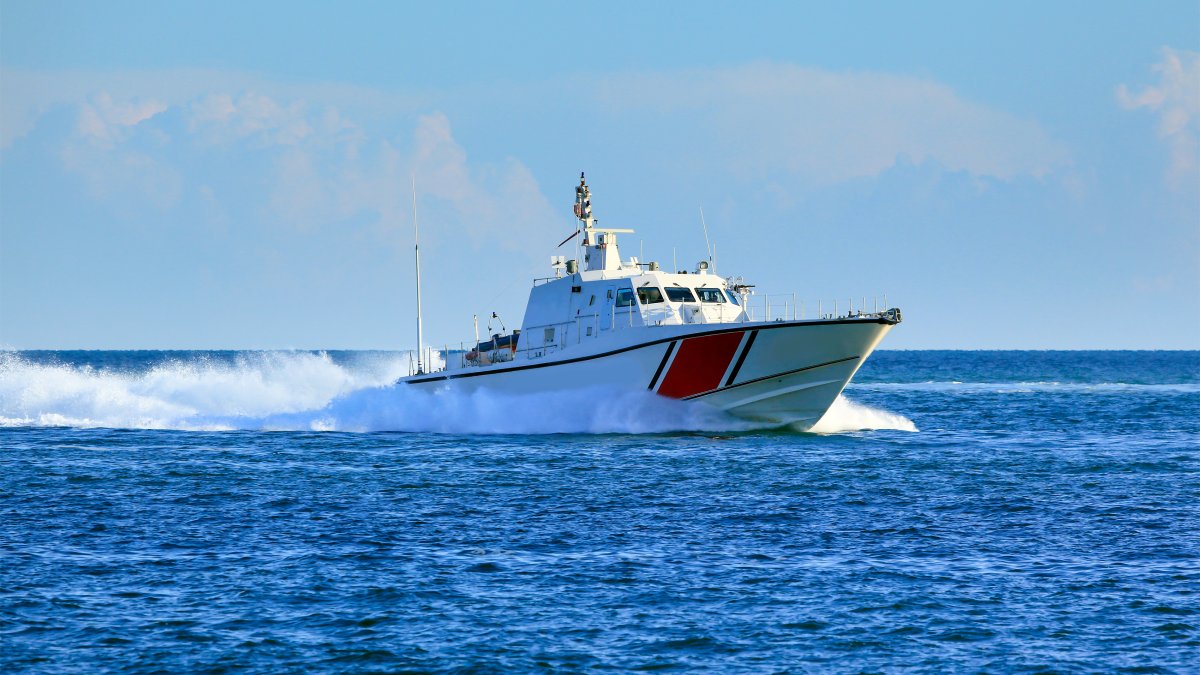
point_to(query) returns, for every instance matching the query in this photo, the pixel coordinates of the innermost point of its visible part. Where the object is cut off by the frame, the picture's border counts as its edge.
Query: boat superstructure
(610, 322)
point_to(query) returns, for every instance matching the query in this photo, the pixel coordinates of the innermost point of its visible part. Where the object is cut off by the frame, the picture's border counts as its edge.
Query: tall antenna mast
(417, 251)
(706, 244)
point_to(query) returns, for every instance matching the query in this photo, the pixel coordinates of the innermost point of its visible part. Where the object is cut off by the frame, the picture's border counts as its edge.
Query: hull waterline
(779, 372)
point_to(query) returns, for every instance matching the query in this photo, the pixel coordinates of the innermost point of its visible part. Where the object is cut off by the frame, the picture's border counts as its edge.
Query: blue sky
(1013, 175)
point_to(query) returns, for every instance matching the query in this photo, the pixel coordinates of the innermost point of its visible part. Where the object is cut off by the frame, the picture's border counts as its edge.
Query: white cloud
(26, 95)
(98, 151)
(104, 121)
(1176, 99)
(324, 167)
(465, 203)
(820, 125)
(489, 200)
(225, 118)
(127, 179)
(333, 152)
(833, 126)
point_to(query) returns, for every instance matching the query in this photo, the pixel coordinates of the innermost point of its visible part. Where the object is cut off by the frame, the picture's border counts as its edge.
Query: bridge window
(675, 294)
(625, 297)
(710, 295)
(649, 295)
(733, 298)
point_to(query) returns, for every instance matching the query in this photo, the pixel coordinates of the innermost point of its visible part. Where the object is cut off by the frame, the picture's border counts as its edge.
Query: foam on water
(847, 415)
(183, 394)
(312, 391)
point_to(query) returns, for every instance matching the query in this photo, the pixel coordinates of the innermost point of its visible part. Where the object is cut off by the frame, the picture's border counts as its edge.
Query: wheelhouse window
(733, 298)
(649, 295)
(625, 297)
(710, 295)
(678, 294)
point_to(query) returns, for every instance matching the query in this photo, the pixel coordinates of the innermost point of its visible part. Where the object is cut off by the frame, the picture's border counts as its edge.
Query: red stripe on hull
(700, 364)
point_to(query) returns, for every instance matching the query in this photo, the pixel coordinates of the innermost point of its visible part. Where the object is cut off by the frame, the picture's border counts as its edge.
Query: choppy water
(164, 512)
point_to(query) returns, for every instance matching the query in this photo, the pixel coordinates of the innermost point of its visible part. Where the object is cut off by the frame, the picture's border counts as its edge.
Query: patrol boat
(612, 322)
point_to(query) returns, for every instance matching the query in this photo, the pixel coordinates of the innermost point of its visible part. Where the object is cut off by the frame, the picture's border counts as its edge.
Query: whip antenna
(417, 253)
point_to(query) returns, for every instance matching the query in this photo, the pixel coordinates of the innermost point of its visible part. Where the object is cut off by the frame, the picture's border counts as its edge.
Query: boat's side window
(710, 295)
(548, 335)
(733, 298)
(675, 294)
(592, 300)
(624, 297)
(649, 295)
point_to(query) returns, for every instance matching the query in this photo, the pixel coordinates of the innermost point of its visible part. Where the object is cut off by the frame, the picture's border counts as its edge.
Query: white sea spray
(313, 391)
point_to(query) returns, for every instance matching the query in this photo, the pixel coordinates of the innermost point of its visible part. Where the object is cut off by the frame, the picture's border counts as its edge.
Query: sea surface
(267, 512)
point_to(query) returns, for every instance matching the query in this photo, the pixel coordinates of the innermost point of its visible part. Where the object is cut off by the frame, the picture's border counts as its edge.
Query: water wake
(846, 415)
(312, 391)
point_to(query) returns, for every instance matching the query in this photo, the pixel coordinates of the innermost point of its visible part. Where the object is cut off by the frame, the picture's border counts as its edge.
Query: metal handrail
(787, 306)
(756, 307)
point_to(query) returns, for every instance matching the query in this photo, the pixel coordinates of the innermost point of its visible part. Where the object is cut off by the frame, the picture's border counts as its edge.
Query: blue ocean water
(282, 512)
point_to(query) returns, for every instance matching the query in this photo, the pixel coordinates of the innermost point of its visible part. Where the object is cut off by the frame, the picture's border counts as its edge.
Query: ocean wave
(1028, 387)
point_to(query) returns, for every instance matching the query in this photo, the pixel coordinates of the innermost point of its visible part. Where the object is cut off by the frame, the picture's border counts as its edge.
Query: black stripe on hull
(769, 377)
(769, 326)
(661, 365)
(742, 357)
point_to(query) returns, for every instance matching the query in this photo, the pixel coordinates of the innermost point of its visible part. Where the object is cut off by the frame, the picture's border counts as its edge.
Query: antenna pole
(417, 253)
(707, 245)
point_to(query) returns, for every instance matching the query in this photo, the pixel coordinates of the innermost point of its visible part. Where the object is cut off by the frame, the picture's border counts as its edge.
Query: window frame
(680, 289)
(648, 290)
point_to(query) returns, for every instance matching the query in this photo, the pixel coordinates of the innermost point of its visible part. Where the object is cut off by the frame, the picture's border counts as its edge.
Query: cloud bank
(829, 127)
(1176, 100)
(323, 155)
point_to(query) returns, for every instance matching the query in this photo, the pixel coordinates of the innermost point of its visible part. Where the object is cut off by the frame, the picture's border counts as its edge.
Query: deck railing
(790, 307)
(757, 307)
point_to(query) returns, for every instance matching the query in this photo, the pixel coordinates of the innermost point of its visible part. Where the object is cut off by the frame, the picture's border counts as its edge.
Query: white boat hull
(779, 372)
